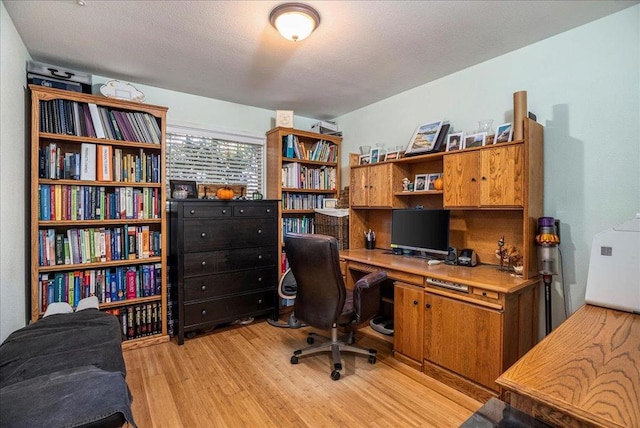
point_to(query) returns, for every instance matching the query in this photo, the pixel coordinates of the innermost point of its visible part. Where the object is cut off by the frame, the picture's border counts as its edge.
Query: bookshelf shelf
(85, 232)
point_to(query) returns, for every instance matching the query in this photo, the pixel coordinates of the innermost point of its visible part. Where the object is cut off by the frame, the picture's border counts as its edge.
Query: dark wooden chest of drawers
(223, 261)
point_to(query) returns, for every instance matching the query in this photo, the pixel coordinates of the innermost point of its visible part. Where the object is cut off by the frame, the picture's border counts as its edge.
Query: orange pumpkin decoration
(438, 183)
(225, 193)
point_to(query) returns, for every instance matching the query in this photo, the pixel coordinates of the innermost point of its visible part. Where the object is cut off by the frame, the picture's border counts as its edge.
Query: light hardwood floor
(241, 376)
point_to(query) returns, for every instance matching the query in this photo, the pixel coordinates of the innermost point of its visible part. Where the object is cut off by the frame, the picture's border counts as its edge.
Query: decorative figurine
(405, 184)
(507, 255)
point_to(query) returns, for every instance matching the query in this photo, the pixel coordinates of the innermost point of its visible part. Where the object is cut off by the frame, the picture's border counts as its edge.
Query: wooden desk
(585, 373)
(466, 336)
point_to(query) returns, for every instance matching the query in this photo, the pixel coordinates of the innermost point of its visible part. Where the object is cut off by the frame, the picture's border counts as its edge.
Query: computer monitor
(424, 230)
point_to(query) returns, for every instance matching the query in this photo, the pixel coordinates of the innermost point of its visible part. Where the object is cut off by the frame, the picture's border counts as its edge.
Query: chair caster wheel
(372, 359)
(310, 340)
(294, 360)
(335, 375)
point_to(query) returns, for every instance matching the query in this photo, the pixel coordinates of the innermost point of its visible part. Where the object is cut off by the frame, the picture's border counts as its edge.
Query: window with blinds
(214, 156)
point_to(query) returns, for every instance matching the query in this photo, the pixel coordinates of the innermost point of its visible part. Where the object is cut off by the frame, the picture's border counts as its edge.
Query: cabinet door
(408, 318)
(501, 176)
(461, 180)
(359, 186)
(379, 186)
(463, 338)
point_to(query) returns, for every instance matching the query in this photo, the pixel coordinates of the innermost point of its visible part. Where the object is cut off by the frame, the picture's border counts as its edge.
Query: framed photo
(329, 203)
(392, 155)
(424, 138)
(364, 160)
(431, 179)
(454, 141)
(189, 186)
(475, 140)
(504, 133)
(420, 183)
(375, 155)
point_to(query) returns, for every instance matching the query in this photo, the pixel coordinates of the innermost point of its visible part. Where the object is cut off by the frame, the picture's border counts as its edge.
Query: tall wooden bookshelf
(292, 153)
(121, 211)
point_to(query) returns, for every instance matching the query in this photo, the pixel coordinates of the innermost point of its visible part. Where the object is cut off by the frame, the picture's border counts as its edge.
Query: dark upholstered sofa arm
(366, 295)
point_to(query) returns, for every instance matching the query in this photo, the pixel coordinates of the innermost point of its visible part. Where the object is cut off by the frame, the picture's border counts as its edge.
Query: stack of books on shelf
(297, 225)
(321, 151)
(90, 120)
(296, 176)
(301, 201)
(139, 320)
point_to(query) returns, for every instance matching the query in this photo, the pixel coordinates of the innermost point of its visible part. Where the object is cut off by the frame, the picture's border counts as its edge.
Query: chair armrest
(366, 296)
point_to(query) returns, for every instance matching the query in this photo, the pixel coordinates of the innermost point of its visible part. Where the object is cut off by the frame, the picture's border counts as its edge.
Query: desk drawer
(229, 308)
(391, 273)
(203, 235)
(242, 210)
(211, 262)
(206, 211)
(210, 286)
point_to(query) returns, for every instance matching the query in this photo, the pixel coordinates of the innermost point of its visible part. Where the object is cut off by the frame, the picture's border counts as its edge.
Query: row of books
(296, 176)
(108, 285)
(321, 151)
(90, 120)
(93, 245)
(298, 225)
(301, 201)
(139, 320)
(71, 202)
(98, 162)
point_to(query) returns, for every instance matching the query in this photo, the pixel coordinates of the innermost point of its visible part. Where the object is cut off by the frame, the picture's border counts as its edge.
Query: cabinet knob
(268, 210)
(203, 287)
(192, 212)
(203, 263)
(415, 302)
(484, 178)
(224, 211)
(473, 180)
(241, 211)
(260, 257)
(428, 305)
(259, 231)
(259, 300)
(484, 293)
(203, 234)
(203, 312)
(260, 279)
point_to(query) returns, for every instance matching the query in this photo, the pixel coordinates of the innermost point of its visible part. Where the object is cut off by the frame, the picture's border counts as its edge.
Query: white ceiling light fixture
(295, 21)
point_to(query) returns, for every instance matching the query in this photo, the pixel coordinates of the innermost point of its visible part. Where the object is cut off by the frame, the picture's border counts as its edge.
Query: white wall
(14, 188)
(584, 86)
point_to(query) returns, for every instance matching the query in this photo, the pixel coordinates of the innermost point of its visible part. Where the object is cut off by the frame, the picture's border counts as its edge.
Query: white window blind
(216, 156)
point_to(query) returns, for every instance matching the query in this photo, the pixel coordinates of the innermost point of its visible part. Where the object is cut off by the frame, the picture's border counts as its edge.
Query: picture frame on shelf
(329, 203)
(454, 141)
(364, 160)
(188, 185)
(475, 140)
(424, 138)
(375, 155)
(420, 182)
(431, 179)
(504, 133)
(393, 155)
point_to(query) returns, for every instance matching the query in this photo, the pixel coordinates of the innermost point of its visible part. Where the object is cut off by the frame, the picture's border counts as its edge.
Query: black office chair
(323, 302)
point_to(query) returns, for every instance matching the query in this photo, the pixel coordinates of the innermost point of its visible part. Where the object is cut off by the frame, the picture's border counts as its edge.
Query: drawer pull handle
(260, 279)
(268, 211)
(192, 212)
(224, 211)
(259, 231)
(203, 288)
(484, 293)
(204, 312)
(241, 211)
(203, 263)
(428, 305)
(415, 302)
(259, 300)
(260, 257)
(203, 234)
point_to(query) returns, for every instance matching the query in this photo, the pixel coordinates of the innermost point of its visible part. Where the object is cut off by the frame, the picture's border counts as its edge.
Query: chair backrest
(315, 263)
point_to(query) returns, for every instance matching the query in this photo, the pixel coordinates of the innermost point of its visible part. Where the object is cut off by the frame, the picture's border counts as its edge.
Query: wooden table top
(588, 368)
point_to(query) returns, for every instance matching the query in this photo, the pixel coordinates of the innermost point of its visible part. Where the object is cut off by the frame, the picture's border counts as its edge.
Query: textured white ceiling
(362, 52)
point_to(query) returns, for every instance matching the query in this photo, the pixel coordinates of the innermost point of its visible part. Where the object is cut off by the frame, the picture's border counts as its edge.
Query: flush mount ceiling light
(295, 21)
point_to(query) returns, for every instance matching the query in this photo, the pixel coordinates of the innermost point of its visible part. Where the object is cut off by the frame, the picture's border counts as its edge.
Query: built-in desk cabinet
(408, 341)
(372, 186)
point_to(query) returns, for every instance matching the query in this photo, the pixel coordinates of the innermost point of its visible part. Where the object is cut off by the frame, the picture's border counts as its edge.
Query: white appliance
(614, 268)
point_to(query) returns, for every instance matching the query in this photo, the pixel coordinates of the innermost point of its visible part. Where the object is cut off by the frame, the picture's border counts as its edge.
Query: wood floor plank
(242, 377)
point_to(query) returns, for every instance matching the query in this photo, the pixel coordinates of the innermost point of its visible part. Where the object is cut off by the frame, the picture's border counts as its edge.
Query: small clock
(284, 118)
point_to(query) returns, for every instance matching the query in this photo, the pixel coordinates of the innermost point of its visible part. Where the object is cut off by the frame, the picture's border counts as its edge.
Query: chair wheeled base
(335, 346)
